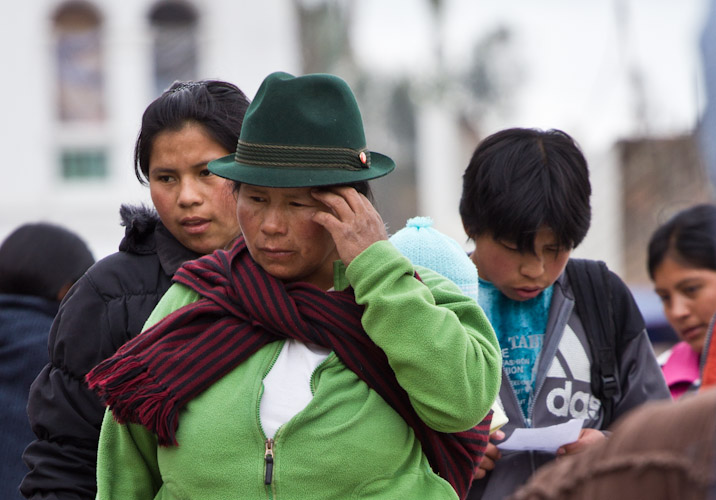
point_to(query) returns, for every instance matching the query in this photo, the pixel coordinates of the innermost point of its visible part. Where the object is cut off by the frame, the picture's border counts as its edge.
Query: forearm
(438, 341)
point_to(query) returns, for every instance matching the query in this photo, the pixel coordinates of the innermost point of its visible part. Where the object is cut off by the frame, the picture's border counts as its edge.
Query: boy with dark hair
(525, 204)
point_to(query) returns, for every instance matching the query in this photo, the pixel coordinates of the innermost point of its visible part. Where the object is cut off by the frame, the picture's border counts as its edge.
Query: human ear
(63, 291)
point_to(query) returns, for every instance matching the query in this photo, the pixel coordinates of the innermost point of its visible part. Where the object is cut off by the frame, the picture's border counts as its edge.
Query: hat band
(272, 155)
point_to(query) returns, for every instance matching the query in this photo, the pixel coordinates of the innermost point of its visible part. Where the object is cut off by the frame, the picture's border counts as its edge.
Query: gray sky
(574, 55)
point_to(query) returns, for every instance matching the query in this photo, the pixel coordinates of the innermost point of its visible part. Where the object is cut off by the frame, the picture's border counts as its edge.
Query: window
(78, 53)
(174, 36)
(83, 164)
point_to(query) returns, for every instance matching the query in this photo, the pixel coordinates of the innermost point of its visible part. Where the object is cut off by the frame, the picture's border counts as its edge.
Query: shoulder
(627, 315)
(140, 223)
(588, 271)
(135, 267)
(124, 273)
(105, 308)
(174, 299)
(680, 362)
(609, 294)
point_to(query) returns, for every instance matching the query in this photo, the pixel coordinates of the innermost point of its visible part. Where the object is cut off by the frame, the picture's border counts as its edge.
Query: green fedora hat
(300, 132)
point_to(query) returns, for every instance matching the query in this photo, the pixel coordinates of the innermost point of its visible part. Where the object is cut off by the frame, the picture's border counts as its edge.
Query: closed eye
(299, 204)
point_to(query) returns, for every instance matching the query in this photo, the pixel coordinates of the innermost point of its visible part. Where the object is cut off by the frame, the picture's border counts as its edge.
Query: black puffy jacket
(104, 309)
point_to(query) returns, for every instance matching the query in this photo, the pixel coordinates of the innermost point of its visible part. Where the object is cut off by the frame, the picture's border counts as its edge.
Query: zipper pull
(268, 457)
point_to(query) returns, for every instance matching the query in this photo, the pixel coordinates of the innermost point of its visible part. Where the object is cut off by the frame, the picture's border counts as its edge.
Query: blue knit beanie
(426, 246)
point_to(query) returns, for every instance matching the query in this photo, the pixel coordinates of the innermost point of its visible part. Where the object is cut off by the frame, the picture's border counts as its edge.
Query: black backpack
(589, 280)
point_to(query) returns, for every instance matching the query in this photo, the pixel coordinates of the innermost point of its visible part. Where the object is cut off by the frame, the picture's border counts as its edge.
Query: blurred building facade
(77, 77)
(660, 178)
(79, 74)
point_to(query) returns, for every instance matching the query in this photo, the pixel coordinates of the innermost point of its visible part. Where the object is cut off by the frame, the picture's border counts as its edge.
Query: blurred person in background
(39, 263)
(682, 264)
(189, 125)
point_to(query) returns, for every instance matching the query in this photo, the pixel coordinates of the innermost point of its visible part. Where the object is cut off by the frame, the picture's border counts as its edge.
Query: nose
(189, 193)
(532, 266)
(273, 222)
(678, 307)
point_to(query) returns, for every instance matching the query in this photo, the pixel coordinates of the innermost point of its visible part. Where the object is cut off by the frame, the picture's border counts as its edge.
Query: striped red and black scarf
(152, 377)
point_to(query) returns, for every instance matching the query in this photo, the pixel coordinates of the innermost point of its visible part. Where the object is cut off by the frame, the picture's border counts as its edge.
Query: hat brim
(268, 176)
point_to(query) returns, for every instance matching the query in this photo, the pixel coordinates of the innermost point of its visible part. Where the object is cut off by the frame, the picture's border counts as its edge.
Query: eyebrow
(163, 169)
(680, 284)
(687, 281)
(262, 190)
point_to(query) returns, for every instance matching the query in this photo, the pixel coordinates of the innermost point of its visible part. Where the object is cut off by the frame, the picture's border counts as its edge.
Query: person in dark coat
(39, 262)
(189, 125)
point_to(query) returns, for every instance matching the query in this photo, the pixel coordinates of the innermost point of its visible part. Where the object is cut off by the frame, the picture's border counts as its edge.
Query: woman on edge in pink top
(682, 265)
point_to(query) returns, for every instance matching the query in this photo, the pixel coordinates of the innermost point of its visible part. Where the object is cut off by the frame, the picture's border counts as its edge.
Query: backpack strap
(589, 280)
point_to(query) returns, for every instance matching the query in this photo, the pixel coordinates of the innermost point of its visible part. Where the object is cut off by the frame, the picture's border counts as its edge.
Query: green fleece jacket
(347, 442)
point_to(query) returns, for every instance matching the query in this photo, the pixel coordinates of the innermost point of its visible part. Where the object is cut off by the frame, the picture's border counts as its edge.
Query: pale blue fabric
(426, 246)
(520, 328)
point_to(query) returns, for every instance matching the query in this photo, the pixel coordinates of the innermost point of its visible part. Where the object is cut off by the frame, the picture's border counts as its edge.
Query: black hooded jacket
(104, 309)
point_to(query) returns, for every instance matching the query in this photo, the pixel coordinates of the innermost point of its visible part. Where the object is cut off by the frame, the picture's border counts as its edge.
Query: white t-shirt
(287, 387)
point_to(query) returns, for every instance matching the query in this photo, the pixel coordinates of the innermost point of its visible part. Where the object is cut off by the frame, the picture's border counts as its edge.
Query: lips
(528, 292)
(195, 225)
(692, 333)
(275, 253)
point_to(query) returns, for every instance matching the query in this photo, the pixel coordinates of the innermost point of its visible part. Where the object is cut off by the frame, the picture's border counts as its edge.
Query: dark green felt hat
(300, 132)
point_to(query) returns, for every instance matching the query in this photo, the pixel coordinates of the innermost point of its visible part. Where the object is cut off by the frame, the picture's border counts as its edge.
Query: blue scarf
(520, 327)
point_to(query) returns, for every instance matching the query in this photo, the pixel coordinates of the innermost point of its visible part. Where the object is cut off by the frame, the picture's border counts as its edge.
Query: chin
(697, 346)
(200, 247)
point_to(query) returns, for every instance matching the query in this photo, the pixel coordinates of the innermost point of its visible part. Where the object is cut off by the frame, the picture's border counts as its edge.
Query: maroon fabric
(242, 308)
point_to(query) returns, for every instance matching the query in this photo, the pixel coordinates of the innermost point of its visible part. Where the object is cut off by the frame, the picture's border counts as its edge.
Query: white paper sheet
(543, 438)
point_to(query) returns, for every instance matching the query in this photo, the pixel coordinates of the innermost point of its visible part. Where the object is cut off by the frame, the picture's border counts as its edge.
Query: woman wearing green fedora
(311, 360)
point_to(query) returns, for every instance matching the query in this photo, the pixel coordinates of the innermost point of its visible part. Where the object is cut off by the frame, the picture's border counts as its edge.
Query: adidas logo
(562, 402)
(571, 363)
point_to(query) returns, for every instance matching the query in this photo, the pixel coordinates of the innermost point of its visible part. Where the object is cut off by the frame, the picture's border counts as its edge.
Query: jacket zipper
(540, 382)
(533, 400)
(513, 396)
(268, 458)
(268, 442)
